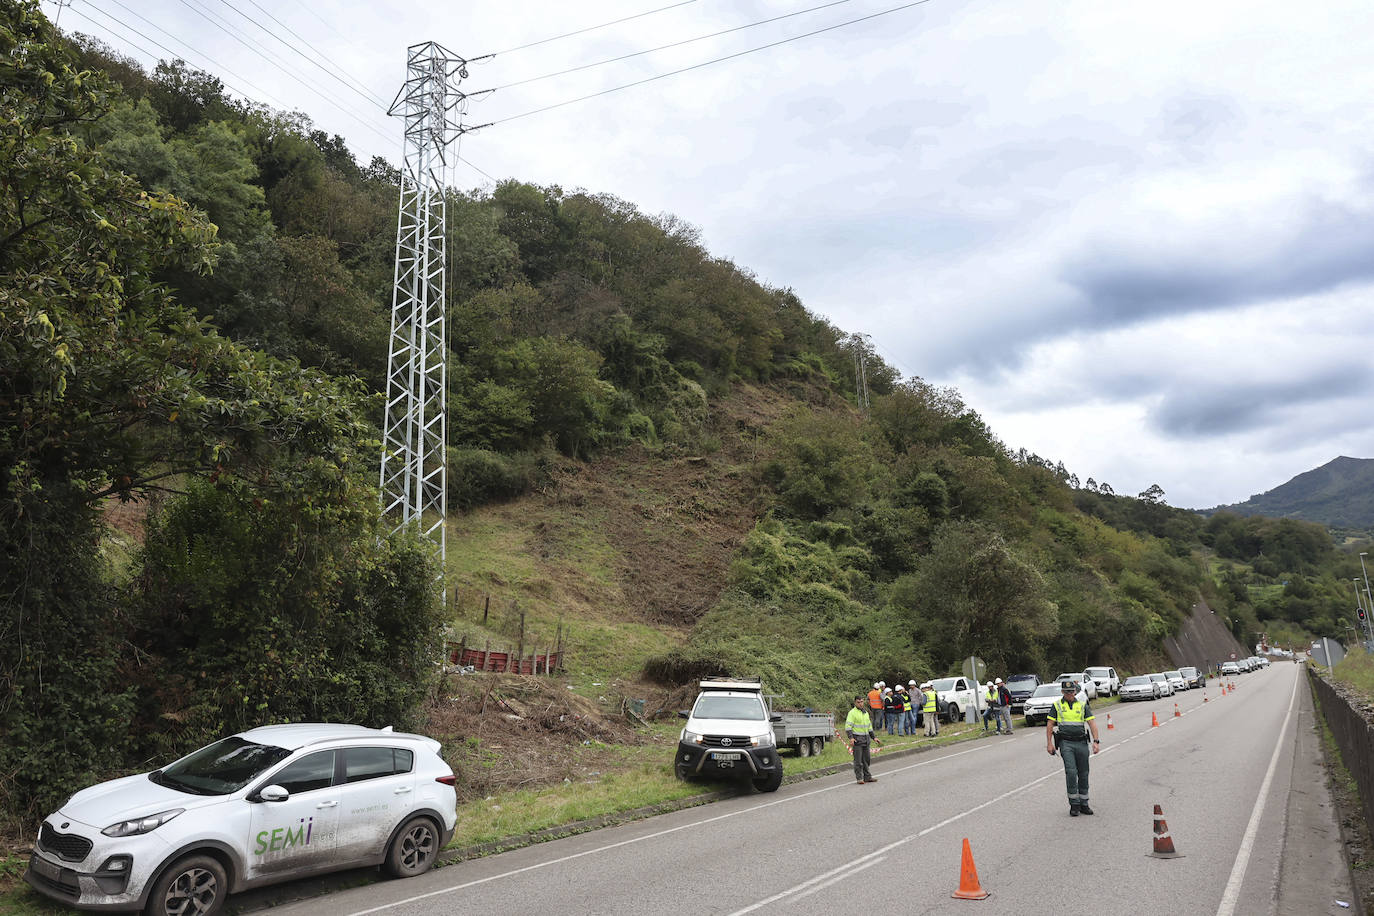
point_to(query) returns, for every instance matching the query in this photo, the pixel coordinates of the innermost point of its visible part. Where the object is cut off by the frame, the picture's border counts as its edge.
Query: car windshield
(1188, 672)
(944, 683)
(1020, 679)
(220, 769)
(1047, 690)
(1173, 674)
(1099, 672)
(1158, 677)
(1138, 680)
(723, 707)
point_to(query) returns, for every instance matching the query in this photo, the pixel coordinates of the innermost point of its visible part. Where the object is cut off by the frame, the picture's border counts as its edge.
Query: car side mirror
(273, 793)
(775, 717)
(683, 714)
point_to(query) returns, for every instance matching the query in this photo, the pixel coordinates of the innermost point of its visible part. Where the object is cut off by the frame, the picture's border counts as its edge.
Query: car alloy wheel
(413, 850)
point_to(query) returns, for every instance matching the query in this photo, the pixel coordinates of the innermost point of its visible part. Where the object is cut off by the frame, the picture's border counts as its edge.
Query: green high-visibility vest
(1072, 718)
(930, 702)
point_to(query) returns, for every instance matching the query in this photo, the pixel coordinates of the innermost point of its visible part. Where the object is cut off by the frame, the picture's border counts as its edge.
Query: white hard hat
(999, 680)
(911, 683)
(878, 685)
(988, 684)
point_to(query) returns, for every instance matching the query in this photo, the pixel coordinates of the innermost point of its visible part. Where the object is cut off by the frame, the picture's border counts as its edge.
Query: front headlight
(141, 825)
(763, 740)
(690, 737)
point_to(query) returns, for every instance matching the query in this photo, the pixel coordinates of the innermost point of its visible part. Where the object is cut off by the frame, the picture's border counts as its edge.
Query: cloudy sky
(1138, 238)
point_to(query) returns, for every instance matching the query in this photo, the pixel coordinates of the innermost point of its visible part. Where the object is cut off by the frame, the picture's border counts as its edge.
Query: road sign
(975, 668)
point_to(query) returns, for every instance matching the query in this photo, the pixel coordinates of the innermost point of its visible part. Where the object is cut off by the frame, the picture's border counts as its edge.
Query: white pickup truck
(731, 733)
(957, 694)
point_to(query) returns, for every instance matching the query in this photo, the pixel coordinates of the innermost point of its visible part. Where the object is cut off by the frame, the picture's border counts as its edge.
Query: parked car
(1139, 687)
(1038, 703)
(262, 806)
(1106, 681)
(1230, 668)
(1166, 689)
(1082, 680)
(1021, 686)
(1176, 680)
(1193, 676)
(1263, 660)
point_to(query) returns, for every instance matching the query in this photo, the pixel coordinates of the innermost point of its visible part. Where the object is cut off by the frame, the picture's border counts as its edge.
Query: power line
(233, 33)
(327, 70)
(676, 44)
(593, 28)
(176, 55)
(840, 25)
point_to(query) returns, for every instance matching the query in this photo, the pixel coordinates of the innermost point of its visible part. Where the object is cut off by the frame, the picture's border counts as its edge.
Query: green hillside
(654, 457)
(1339, 494)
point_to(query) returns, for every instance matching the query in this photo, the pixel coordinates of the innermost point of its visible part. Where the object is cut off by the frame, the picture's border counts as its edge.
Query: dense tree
(111, 389)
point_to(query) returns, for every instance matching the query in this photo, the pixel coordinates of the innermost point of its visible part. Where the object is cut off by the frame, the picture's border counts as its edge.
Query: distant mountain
(1339, 494)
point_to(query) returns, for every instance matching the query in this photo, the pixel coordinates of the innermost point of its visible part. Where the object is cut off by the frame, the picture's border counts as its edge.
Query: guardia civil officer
(1068, 725)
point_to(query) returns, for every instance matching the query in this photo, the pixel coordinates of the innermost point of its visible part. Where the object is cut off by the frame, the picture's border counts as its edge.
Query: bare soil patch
(503, 732)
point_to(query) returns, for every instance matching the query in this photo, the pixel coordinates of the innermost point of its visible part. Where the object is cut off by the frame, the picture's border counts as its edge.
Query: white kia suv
(263, 806)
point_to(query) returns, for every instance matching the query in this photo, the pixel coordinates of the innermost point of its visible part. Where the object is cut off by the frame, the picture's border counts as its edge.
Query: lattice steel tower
(414, 481)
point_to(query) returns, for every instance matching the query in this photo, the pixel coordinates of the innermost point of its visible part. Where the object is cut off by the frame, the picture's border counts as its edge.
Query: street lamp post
(1369, 606)
(1361, 610)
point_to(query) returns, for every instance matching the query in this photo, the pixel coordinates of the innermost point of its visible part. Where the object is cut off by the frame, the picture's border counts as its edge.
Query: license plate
(726, 759)
(45, 868)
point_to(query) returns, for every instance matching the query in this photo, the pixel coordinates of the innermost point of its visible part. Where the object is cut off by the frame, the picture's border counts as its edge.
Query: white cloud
(1134, 236)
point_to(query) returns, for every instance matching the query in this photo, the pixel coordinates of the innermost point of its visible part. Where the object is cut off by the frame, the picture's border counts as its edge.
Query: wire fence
(1354, 736)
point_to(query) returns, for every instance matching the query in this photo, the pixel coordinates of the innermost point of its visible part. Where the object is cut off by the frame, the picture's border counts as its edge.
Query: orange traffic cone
(1110, 726)
(1176, 712)
(969, 888)
(1164, 843)
(1204, 698)
(1154, 721)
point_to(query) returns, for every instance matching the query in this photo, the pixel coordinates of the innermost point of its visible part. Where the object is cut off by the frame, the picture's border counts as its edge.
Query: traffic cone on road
(1154, 720)
(1110, 726)
(1204, 698)
(969, 888)
(1176, 712)
(1164, 843)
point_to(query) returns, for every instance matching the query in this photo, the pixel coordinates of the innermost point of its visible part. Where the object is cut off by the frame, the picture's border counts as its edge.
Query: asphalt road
(1237, 778)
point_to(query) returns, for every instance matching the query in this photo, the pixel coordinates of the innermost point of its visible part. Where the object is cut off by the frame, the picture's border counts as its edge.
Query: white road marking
(855, 863)
(791, 798)
(1231, 895)
(838, 878)
(653, 836)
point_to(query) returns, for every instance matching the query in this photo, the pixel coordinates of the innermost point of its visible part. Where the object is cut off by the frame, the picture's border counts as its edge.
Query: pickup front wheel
(769, 782)
(953, 712)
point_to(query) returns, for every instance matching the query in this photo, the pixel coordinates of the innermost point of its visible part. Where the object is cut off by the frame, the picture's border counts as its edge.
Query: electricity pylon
(414, 477)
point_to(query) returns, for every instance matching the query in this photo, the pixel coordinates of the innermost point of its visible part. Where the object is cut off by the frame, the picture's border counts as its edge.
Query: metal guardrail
(1354, 736)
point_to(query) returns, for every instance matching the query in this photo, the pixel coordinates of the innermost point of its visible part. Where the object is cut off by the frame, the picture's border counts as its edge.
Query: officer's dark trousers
(861, 758)
(1075, 755)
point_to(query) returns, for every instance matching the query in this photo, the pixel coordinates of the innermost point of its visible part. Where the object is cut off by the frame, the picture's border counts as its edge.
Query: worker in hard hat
(928, 710)
(875, 705)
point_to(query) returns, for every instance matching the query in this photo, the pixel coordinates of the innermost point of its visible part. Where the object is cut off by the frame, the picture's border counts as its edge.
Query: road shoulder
(1314, 874)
